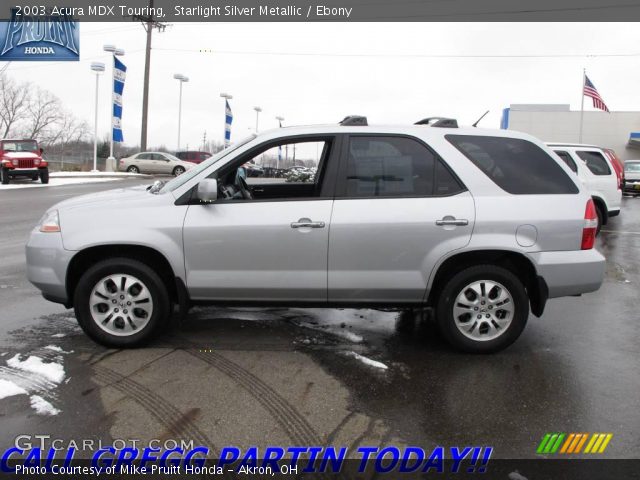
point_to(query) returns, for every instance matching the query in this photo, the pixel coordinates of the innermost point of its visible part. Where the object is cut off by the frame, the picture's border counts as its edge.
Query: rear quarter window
(595, 162)
(518, 166)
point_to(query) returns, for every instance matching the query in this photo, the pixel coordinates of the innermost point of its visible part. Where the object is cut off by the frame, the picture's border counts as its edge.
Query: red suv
(193, 157)
(22, 158)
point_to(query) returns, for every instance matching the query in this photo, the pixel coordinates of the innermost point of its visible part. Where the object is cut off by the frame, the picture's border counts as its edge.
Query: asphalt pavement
(233, 376)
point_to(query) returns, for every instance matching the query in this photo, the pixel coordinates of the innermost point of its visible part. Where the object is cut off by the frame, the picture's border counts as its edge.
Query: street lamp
(182, 79)
(280, 120)
(258, 110)
(97, 67)
(116, 52)
(227, 97)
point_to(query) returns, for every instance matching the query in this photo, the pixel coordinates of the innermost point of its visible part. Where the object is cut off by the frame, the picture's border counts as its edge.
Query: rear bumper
(632, 186)
(570, 272)
(47, 262)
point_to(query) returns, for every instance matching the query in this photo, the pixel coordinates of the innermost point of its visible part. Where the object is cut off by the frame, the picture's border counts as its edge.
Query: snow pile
(42, 407)
(9, 389)
(368, 361)
(51, 371)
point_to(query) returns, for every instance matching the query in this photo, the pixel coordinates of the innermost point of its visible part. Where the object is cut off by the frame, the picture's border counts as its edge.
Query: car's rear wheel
(483, 309)
(178, 171)
(44, 175)
(121, 302)
(4, 176)
(133, 169)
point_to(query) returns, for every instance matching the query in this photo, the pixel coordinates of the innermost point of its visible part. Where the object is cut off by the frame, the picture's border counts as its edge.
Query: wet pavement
(233, 376)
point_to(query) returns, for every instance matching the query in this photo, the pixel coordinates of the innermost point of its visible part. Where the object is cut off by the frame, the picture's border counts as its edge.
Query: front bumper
(47, 263)
(570, 272)
(632, 186)
(24, 172)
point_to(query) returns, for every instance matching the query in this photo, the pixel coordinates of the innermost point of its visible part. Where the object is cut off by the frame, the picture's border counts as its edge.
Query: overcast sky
(320, 72)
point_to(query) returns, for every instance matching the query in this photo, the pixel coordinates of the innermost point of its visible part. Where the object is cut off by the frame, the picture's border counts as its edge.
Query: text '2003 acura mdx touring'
(483, 226)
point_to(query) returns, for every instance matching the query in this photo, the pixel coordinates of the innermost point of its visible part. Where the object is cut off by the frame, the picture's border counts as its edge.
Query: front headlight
(50, 222)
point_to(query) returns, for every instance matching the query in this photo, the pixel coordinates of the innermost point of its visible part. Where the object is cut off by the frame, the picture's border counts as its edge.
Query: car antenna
(478, 121)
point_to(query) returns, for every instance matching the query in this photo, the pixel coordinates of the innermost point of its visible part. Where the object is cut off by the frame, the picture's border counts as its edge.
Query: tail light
(122, 161)
(617, 167)
(590, 226)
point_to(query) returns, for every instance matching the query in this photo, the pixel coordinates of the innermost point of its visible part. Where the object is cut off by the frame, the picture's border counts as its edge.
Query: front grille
(25, 163)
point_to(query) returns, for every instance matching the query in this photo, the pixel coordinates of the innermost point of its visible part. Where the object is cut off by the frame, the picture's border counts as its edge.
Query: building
(557, 123)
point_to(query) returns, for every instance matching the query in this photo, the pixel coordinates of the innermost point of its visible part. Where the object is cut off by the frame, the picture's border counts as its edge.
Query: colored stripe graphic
(572, 443)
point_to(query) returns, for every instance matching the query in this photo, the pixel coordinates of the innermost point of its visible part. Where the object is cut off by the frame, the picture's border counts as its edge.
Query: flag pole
(584, 76)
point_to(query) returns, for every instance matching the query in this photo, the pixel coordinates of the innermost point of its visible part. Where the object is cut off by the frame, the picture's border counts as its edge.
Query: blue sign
(32, 38)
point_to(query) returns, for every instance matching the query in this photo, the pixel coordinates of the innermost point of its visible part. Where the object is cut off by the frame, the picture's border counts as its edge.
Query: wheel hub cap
(121, 304)
(483, 310)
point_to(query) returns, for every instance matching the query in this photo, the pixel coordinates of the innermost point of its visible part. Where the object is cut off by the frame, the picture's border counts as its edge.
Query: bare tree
(68, 129)
(44, 114)
(14, 100)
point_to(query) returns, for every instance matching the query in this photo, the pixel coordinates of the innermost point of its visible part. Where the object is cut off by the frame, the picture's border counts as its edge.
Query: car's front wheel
(483, 309)
(121, 302)
(44, 175)
(4, 176)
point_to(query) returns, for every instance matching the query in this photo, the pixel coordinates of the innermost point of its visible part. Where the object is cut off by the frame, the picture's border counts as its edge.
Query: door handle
(452, 221)
(306, 223)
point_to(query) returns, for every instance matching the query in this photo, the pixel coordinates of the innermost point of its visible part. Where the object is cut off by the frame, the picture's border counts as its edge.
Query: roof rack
(441, 122)
(354, 121)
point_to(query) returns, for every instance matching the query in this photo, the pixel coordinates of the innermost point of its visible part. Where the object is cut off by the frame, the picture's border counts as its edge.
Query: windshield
(632, 167)
(189, 174)
(20, 146)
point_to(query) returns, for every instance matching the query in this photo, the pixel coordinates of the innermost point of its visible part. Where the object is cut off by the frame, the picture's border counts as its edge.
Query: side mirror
(208, 190)
(41, 151)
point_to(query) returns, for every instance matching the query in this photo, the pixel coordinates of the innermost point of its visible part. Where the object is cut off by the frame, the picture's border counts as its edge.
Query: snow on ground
(43, 407)
(9, 389)
(54, 182)
(58, 335)
(51, 371)
(368, 361)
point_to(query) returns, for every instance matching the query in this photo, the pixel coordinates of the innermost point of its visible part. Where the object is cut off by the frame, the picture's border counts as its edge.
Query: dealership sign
(42, 37)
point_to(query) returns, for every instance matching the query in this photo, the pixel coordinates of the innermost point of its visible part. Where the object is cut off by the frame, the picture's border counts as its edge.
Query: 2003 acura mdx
(481, 225)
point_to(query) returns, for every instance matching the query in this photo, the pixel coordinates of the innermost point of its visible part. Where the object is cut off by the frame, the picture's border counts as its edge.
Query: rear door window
(518, 166)
(566, 158)
(595, 162)
(388, 166)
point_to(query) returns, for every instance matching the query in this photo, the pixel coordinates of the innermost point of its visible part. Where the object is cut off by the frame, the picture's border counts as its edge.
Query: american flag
(590, 91)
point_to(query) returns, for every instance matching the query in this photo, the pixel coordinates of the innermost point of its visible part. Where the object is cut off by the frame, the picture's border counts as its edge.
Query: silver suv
(481, 225)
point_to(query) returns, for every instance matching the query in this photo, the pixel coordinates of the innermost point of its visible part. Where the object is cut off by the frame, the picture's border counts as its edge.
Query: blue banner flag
(228, 119)
(119, 74)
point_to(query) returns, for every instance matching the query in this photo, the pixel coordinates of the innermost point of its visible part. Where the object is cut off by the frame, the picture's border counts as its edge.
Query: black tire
(133, 169)
(44, 175)
(125, 266)
(454, 287)
(35, 177)
(178, 171)
(600, 215)
(4, 176)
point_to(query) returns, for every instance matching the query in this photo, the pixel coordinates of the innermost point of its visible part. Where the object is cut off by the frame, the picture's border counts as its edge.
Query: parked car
(193, 156)
(596, 171)
(617, 164)
(154, 163)
(632, 177)
(22, 158)
(483, 226)
(254, 170)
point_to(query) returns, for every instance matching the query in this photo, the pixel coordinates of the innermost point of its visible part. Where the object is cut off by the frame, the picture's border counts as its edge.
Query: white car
(155, 163)
(597, 174)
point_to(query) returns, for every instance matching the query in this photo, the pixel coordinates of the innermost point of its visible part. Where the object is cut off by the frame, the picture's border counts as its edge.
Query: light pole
(181, 79)
(116, 52)
(280, 120)
(227, 97)
(97, 67)
(258, 110)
